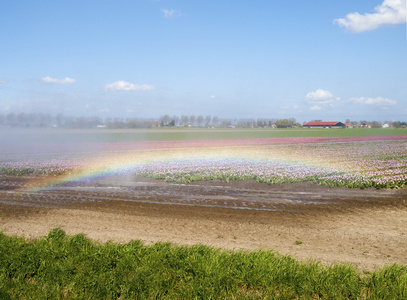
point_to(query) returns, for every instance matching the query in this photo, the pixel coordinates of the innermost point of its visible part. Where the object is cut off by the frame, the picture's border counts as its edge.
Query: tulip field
(380, 164)
(113, 188)
(354, 162)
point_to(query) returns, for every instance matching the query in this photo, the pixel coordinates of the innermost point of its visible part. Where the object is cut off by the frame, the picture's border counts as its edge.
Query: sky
(314, 59)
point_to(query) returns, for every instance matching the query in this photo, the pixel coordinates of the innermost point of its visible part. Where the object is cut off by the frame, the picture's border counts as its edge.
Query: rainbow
(131, 162)
(354, 163)
(93, 170)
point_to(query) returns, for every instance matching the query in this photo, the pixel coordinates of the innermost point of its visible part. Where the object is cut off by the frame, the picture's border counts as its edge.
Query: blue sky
(316, 59)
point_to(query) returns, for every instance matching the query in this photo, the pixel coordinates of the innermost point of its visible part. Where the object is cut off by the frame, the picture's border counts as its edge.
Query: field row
(335, 162)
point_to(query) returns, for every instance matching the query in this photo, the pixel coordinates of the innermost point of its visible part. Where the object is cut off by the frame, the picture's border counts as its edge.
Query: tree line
(59, 120)
(377, 124)
(62, 121)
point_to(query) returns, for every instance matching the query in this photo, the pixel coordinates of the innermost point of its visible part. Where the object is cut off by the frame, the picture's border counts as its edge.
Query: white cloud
(378, 101)
(315, 107)
(390, 12)
(319, 96)
(212, 96)
(169, 13)
(56, 80)
(127, 86)
(2, 80)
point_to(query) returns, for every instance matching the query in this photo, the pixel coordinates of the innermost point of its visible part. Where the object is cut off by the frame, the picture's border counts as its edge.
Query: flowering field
(379, 162)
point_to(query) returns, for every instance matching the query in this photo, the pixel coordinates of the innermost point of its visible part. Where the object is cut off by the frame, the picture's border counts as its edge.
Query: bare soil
(366, 228)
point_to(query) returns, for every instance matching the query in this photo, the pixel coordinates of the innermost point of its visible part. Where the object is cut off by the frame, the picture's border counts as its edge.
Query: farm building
(154, 124)
(335, 124)
(366, 125)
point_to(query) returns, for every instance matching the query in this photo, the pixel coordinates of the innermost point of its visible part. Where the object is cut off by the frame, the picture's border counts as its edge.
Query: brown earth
(366, 228)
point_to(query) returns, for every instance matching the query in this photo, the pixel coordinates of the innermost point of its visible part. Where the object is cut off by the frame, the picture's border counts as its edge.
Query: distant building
(155, 124)
(320, 124)
(387, 125)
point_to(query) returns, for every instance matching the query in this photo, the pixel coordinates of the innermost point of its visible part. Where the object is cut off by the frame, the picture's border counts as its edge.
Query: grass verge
(56, 136)
(60, 266)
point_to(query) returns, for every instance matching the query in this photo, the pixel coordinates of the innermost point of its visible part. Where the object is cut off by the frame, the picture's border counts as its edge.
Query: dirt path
(366, 228)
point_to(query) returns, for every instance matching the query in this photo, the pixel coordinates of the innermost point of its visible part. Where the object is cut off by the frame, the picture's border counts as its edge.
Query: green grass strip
(74, 267)
(182, 134)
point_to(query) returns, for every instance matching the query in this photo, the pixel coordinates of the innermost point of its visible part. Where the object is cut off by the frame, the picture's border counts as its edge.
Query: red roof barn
(334, 124)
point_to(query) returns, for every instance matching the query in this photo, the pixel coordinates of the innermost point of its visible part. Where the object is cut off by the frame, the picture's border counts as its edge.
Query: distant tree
(282, 123)
(21, 120)
(82, 122)
(59, 119)
(11, 119)
(94, 121)
(175, 120)
(165, 120)
(116, 123)
(44, 120)
(208, 119)
(131, 123)
(138, 123)
(200, 120)
(250, 123)
(225, 122)
(184, 120)
(261, 123)
(397, 124)
(287, 123)
(192, 120)
(376, 124)
(69, 122)
(215, 121)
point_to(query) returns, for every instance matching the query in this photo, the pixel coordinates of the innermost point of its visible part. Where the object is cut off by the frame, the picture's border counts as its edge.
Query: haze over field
(329, 60)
